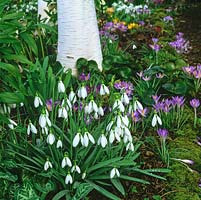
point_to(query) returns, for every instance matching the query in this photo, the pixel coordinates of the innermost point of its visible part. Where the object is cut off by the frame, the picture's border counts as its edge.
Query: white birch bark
(42, 7)
(78, 33)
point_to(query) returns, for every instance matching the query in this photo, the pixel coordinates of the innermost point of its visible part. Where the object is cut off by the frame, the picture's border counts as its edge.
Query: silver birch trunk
(78, 35)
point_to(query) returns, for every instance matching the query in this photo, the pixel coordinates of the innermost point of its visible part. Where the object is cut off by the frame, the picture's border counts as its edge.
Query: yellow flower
(132, 26)
(110, 10)
(115, 20)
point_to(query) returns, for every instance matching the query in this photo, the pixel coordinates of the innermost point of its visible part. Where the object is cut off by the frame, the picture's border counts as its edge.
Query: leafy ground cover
(129, 132)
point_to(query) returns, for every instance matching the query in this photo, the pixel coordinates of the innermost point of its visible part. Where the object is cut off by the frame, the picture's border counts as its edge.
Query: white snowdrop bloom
(156, 119)
(31, 128)
(59, 144)
(111, 136)
(67, 104)
(82, 92)
(66, 161)
(68, 179)
(114, 172)
(86, 138)
(125, 120)
(42, 120)
(96, 115)
(49, 123)
(78, 138)
(84, 175)
(45, 130)
(117, 136)
(125, 99)
(21, 104)
(119, 121)
(12, 124)
(127, 131)
(62, 113)
(127, 138)
(118, 104)
(109, 126)
(102, 141)
(50, 138)
(130, 146)
(86, 110)
(100, 111)
(104, 90)
(134, 46)
(47, 165)
(61, 87)
(137, 105)
(75, 168)
(119, 131)
(37, 101)
(72, 97)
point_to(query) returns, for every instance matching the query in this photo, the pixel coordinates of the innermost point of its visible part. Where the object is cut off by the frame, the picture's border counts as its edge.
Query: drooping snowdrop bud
(100, 111)
(102, 141)
(61, 87)
(125, 120)
(125, 99)
(111, 137)
(84, 175)
(104, 90)
(127, 138)
(49, 123)
(66, 161)
(68, 179)
(42, 120)
(130, 146)
(118, 104)
(47, 165)
(114, 172)
(76, 168)
(156, 119)
(78, 138)
(31, 128)
(127, 131)
(50, 138)
(119, 120)
(109, 126)
(119, 131)
(137, 105)
(37, 101)
(67, 104)
(12, 124)
(59, 144)
(82, 92)
(72, 97)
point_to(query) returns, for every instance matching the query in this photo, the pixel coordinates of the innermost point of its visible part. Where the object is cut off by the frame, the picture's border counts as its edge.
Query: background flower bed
(136, 49)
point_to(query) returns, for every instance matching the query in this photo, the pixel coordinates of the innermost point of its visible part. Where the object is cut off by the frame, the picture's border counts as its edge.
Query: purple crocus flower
(163, 133)
(84, 77)
(143, 112)
(155, 40)
(156, 98)
(167, 18)
(178, 101)
(126, 86)
(49, 104)
(189, 69)
(136, 116)
(195, 103)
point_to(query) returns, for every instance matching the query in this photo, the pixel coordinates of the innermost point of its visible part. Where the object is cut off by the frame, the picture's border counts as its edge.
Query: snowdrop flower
(156, 119)
(59, 144)
(125, 99)
(104, 90)
(12, 124)
(127, 138)
(67, 104)
(42, 121)
(66, 161)
(76, 168)
(137, 105)
(100, 111)
(47, 165)
(119, 120)
(78, 138)
(102, 141)
(31, 128)
(87, 137)
(82, 92)
(118, 104)
(125, 120)
(37, 101)
(95, 115)
(111, 137)
(62, 113)
(114, 172)
(61, 87)
(84, 175)
(130, 146)
(68, 179)
(109, 126)
(72, 97)
(50, 138)
(92, 106)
